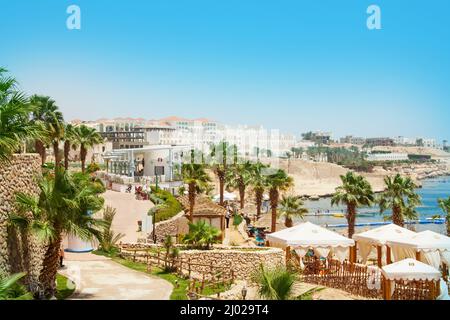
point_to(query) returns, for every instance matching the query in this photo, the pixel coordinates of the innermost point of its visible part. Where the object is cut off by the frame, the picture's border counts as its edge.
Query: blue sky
(293, 65)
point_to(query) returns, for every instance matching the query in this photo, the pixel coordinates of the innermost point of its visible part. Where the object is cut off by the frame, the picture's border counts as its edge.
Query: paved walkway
(100, 278)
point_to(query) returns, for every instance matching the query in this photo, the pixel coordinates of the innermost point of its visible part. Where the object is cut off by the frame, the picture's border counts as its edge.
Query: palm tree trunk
(258, 202)
(47, 277)
(40, 148)
(397, 216)
(274, 205)
(351, 217)
(242, 194)
(448, 224)
(66, 154)
(221, 187)
(288, 222)
(83, 153)
(191, 201)
(56, 153)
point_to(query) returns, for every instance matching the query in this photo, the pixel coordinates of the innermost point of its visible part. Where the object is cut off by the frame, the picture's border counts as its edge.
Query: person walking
(227, 217)
(61, 257)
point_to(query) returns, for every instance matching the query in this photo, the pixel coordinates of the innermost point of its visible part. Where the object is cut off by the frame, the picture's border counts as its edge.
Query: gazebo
(427, 246)
(424, 277)
(378, 238)
(205, 210)
(307, 235)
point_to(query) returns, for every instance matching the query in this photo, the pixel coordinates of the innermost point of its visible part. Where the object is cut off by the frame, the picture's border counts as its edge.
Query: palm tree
(239, 177)
(219, 154)
(86, 138)
(195, 176)
(258, 183)
(277, 182)
(15, 111)
(69, 143)
(108, 238)
(274, 284)
(400, 197)
(10, 289)
(445, 206)
(291, 206)
(62, 207)
(47, 113)
(201, 235)
(354, 192)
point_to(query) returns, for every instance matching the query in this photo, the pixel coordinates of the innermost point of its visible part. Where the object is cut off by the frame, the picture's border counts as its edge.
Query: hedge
(171, 205)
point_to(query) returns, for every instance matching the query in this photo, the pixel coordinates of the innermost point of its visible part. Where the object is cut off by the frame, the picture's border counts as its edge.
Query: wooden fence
(354, 278)
(365, 281)
(200, 275)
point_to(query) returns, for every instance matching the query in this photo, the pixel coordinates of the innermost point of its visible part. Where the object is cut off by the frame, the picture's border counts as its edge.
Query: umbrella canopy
(227, 196)
(423, 241)
(379, 236)
(410, 269)
(435, 247)
(307, 234)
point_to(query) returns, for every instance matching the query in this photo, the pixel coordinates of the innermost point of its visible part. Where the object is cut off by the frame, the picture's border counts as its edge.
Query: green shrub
(201, 235)
(274, 284)
(12, 289)
(92, 167)
(171, 207)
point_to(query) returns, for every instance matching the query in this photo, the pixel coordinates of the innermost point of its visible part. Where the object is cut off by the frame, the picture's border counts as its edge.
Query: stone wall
(174, 226)
(243, 261)
(18, 252)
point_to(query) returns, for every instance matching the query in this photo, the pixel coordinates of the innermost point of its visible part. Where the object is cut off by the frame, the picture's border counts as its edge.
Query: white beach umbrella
(410, 269)
(227, 196)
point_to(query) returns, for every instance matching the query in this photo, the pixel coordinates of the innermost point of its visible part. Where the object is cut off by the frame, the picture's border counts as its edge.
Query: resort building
(125, 139)
(387, 156)
(148, 162)
(375, 142)
(404, 141)
(428, 143)
(352, 140)
(160, 134)
(319, 137)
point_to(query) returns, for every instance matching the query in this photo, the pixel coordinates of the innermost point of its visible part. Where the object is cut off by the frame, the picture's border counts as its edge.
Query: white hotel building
(387, 156)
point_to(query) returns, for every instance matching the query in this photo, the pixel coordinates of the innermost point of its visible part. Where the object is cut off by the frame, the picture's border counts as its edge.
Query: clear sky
(294, 65)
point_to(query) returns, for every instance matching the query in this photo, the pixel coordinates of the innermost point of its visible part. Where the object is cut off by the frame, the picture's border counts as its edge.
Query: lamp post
(154, 226)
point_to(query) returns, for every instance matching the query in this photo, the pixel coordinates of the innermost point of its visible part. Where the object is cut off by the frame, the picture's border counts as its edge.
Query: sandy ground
(129, 212)
(300, 287)
(322, 178)
(99, 278)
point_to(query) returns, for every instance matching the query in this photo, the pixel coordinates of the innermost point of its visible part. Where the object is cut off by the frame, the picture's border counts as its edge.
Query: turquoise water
(431, 190)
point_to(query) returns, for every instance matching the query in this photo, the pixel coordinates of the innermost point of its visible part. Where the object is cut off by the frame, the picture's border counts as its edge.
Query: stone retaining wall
(18, 252)
(243, 261)
(174, 226)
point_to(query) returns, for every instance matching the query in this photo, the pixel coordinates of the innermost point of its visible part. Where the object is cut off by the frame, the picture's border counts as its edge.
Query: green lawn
(180, 285)
(64, 287)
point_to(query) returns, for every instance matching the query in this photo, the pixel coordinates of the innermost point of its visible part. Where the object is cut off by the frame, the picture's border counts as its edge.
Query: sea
(431, 191)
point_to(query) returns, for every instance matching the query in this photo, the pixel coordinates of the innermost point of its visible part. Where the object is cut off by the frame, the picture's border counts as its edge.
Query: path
(128, 212)
(100, 278)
